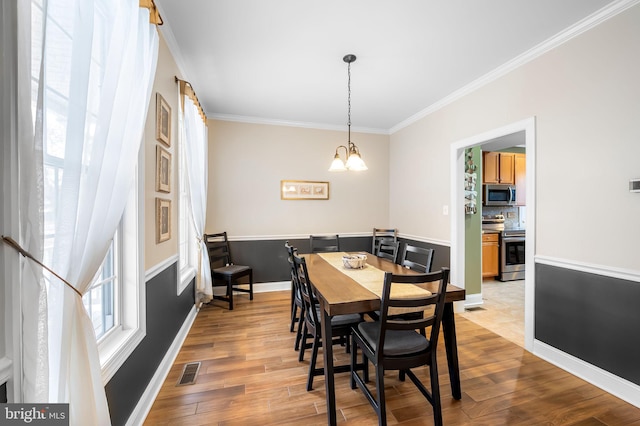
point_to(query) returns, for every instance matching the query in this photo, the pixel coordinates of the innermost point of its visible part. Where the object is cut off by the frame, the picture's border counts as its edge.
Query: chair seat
(231, 269)
(339, 320)
(396, 342)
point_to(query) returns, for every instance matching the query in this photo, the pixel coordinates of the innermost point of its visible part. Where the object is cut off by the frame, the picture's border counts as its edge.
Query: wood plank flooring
(250, 375)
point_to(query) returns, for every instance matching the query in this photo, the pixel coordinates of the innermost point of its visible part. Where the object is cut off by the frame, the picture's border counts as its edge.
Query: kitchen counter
(491, 231)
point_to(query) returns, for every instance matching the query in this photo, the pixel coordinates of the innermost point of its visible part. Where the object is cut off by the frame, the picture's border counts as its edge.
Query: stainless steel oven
(512, 255)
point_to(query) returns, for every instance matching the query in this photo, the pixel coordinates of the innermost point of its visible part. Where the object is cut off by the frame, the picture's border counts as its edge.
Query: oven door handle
(513, 239)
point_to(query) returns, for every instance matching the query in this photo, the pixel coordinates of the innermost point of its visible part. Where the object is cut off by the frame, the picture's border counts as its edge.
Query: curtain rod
(194, 98)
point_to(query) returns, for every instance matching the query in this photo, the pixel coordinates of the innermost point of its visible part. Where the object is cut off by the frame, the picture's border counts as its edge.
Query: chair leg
(251, 285)
(354, 361)
(299, 331)
(435, 394)
(230, 294)
(382, 408)
(294, 311)
(312, 363)
(303, 343)
(365, 372)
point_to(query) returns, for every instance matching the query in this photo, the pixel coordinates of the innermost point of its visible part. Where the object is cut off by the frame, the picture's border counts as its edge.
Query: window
(115, 300)
(100, 300)
(186, 232)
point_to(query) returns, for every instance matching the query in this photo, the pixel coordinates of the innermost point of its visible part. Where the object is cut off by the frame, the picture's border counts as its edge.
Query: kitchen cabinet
(498, 167)
(490, 255)
(521, 181)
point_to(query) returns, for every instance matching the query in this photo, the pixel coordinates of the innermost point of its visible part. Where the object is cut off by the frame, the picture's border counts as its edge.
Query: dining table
(341, 290)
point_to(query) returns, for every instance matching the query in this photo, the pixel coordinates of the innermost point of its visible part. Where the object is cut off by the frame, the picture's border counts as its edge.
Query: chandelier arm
(346, 150)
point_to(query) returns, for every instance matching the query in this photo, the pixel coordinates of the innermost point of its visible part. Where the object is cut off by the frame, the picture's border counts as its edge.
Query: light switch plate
(634, 185)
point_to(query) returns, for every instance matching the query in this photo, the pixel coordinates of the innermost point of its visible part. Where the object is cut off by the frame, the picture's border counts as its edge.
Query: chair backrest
(218, 248)
(382, 233)
(418, 259)
(431, 318)
(324, 243)
(302, 281)
(388, 249)
(291, 253)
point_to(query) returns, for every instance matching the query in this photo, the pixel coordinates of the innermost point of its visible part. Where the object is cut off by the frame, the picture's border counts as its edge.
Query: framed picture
(163, 220)
(163, 169)
(304, 190)
(163, 120)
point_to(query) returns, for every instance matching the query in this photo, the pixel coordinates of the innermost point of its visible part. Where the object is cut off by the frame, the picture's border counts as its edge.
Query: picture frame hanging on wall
(163, 169)
(163, 120)
(304, 190)
(163, 220)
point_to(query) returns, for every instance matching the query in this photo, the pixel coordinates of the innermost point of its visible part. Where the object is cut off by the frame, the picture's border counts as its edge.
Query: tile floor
(502, 310)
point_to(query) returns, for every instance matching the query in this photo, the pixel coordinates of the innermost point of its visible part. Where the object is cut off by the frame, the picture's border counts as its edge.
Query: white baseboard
(611, 383)
(147, 399)
(473, 300)
(259, 287)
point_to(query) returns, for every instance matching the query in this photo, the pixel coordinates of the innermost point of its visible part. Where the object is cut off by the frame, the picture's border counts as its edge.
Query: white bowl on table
(354, 261)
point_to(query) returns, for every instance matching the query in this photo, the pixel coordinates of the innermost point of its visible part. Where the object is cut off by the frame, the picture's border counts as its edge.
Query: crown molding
(303, 124)
(562, 37)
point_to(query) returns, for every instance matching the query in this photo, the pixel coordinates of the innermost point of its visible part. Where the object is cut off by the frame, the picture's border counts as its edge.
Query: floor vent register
(189, 374)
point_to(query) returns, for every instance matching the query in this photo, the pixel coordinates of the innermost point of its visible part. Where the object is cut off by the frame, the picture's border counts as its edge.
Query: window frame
(120, 342)
(188, 269)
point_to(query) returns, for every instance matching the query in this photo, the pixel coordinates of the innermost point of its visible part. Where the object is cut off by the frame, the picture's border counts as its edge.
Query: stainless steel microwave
(499, 195)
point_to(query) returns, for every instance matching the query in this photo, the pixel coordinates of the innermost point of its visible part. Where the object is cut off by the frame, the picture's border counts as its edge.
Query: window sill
(115, 350)
(186, 276)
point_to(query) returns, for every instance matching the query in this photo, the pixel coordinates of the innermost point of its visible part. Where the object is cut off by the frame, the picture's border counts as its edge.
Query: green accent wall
(473, 234)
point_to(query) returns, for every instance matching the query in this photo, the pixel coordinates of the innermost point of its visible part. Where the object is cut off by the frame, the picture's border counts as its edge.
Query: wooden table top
(343, 295)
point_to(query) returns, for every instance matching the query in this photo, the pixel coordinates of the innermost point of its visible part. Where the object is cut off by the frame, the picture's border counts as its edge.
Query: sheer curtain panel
(22, 284)
(96, 78)
(196, 154)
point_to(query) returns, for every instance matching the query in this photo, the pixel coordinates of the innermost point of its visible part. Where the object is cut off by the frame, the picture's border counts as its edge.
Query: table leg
(451, 346)
(327, 350)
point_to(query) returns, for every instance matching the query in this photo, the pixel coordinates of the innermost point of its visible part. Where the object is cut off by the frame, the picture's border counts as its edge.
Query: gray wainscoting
(166, 313)
(591, 317)
(268, 258)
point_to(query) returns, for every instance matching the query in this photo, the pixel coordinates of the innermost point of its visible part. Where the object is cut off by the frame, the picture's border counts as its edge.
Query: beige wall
(585, 96)
(164, 84)
(247, 162)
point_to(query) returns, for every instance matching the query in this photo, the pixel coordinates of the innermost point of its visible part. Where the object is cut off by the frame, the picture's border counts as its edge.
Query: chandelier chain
(349, 100)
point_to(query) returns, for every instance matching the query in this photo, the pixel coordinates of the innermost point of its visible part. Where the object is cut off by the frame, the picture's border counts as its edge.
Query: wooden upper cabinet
(490, 167)
(521, 179)
(498, 167)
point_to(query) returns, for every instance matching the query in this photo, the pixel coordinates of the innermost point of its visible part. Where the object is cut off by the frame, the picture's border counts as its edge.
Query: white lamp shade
(355, 163)
(337, 165)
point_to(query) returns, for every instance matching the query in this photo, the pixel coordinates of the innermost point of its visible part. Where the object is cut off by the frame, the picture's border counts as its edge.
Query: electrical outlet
(445, 210)
(511, 215)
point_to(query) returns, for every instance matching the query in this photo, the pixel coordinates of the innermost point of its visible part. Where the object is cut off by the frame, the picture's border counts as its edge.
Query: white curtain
(97, 74)
(196, 148)
(22, 194)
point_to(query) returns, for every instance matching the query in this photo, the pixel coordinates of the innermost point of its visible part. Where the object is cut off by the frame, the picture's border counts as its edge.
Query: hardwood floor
(250, 375)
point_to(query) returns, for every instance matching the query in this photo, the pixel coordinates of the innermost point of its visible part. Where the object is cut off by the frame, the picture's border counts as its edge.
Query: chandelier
(354, 161)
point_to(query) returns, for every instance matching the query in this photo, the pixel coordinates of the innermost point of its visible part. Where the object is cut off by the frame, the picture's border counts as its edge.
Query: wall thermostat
(634, 185)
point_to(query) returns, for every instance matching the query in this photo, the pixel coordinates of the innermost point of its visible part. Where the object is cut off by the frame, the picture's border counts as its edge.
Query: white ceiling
(281, 60)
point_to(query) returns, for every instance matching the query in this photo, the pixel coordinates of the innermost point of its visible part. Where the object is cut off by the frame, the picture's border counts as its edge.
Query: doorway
(492, 140)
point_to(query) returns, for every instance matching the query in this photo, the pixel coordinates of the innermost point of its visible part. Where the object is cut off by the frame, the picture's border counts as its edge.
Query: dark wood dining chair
(393, 344)
(382, 234)
(341, 325)
(324, 243)
(419, 259)
(223, 271)
(388, 249)
(297, 305)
